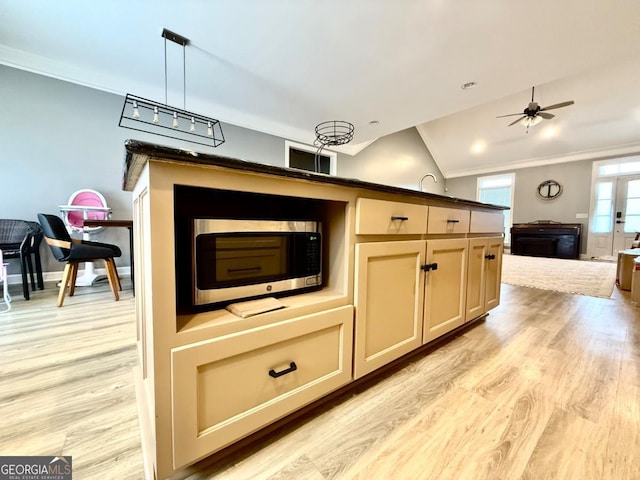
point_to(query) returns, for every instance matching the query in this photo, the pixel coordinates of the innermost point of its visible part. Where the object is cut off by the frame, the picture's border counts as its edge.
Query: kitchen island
(401, 268)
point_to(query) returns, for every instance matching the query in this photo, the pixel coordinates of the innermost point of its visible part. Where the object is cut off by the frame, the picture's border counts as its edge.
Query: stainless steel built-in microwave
(239, 259)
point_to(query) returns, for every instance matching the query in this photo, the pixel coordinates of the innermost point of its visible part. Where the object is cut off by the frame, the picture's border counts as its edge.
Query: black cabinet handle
(402, 219)
(292, 368)
(453, 221)
(490, 257)
(429, 266)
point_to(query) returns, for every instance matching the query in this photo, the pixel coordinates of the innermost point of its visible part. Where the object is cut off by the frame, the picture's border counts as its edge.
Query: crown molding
(594, 154)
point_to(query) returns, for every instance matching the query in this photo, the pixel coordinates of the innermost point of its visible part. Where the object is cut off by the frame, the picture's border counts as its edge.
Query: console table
(544, 238)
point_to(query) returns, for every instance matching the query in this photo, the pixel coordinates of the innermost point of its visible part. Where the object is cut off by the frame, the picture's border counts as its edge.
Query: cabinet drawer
(448, 220)
(226, 388)
(487, 222)
(380, 217)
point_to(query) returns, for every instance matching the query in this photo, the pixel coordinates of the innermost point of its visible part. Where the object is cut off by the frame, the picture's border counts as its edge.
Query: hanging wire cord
(331, 133)
(180, 40)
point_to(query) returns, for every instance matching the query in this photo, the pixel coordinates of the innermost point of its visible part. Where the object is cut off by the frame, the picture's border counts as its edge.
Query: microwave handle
(240, 270)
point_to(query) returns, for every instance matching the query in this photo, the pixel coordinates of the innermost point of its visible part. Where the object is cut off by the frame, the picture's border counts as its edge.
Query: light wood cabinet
(484, 275)
(206, 379)
(443, 220)
(227, 387)
(486, 222)
(388, 293)
(381, 217)
(445, 287)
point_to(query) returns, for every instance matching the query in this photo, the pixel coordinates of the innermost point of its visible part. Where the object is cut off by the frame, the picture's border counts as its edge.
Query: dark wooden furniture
(544, 238)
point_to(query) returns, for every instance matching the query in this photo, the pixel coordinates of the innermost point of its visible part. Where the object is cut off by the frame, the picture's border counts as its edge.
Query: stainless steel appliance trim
(219, 225)
(234, 293)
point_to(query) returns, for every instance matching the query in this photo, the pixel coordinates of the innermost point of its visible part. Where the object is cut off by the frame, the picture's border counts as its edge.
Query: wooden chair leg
(115, 269)
(112, 276)
(66, 276)
(74, 275)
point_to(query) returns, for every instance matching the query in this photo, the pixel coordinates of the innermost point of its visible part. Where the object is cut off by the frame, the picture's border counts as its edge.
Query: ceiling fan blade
(508, 115)
(558, 105)
(513, 123)
(545, 115)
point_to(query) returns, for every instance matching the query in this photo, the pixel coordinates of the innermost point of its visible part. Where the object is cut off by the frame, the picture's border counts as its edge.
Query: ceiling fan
(533, 114)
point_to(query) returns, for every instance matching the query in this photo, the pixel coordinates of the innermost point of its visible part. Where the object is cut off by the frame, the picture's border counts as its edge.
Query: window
(603, 215)
(298, 155)
(609, 168)
(498, 190)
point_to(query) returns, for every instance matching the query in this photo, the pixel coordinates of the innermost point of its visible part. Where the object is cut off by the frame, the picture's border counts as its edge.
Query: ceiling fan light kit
(157, 118)
(534, 114)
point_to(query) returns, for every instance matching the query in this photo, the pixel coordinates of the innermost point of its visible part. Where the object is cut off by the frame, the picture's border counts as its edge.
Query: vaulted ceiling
(283, 66)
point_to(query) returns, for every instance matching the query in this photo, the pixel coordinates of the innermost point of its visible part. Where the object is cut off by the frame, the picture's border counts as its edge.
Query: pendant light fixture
(331, 133)
(162, 119)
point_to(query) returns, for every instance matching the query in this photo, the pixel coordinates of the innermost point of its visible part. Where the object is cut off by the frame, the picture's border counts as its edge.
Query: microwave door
(235, 260)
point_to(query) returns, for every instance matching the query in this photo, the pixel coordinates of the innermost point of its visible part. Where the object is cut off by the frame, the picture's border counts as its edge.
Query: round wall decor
(549, 189)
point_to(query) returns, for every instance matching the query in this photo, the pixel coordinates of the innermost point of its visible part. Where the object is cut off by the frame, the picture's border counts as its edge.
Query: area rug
(581, 277)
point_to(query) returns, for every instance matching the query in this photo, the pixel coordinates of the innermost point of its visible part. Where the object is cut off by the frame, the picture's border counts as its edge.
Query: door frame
(602, 244)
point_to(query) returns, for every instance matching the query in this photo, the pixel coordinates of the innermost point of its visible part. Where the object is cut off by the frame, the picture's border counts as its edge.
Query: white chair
(5, 284)
(85, 204)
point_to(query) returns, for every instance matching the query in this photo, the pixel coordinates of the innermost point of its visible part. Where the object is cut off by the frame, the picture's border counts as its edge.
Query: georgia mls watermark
(35, 468)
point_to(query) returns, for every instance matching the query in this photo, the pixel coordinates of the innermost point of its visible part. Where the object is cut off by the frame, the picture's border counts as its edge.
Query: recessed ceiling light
(374, 122)
(478, 147)
(468, 85)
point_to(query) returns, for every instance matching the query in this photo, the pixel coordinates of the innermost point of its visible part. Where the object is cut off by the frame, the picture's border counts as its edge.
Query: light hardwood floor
(547, 387)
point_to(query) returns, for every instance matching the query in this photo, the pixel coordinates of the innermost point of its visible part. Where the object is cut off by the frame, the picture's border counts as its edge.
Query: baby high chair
(85, 204)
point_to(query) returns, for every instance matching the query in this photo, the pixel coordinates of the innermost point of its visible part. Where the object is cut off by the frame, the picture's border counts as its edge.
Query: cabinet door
(484, 275)
(388, 299)
(476, 278)
(495, 247)
(444, 307)
(228, 387)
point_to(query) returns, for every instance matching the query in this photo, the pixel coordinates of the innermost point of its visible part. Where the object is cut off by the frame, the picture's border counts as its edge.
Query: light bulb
(209, 129)
(136, 113)
(192, 127)
(156, 119)
(175, 120)
(530, 121)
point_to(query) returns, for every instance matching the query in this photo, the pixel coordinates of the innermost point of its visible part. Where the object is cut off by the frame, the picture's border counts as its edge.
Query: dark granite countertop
(137, 153)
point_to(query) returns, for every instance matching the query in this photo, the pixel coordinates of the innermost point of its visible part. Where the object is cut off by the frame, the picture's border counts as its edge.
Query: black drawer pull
(453, 221)
(292, 368)
(402, 219)
(429, 266)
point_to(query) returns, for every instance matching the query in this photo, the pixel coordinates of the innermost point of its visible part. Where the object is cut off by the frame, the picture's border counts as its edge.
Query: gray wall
(575, 177)
(400, 159)
(57, 137)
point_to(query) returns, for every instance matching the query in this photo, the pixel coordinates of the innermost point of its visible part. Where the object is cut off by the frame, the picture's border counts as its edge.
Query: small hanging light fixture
(161, 119)
(331, 133)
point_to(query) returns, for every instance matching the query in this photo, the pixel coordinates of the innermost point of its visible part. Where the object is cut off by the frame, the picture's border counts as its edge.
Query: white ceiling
(283, 66)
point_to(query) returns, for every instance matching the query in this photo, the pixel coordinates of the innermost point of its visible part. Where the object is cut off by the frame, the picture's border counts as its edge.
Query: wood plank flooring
(547, 387)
